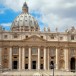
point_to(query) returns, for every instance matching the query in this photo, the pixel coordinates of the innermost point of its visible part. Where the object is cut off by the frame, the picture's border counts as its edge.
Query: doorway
(33, 64)
(14, 65)
(51, 64)
(72, 64)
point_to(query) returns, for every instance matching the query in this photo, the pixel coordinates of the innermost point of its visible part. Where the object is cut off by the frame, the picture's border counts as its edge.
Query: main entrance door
(72, 64)
(15, 63)
(33, 64)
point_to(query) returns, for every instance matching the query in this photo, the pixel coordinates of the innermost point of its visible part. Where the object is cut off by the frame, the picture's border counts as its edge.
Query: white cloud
(54, 12)
(6, 24)
(14, 5)
(69, 5)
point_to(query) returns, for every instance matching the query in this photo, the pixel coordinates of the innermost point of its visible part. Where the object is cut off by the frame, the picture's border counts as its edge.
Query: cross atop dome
(25, 8)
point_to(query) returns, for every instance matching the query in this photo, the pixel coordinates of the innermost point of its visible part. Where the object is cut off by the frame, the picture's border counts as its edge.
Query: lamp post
(52, 67)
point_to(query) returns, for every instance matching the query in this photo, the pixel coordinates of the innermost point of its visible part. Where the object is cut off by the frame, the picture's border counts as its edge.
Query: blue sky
(59, 14)
(6, 16)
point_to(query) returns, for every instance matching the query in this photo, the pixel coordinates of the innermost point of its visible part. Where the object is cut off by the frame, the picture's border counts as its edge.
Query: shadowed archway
(15, 64)
(72, 64)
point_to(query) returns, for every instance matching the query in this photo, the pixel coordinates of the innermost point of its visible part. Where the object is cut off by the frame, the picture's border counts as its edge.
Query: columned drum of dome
(25, 22)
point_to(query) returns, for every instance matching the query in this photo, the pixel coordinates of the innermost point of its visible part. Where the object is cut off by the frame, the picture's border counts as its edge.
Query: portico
(33, 58)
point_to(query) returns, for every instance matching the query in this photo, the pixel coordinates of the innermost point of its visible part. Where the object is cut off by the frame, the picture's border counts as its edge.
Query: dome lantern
(25, 8)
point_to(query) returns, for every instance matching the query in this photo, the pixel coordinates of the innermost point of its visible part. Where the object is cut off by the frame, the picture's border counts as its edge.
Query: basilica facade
(25, 47)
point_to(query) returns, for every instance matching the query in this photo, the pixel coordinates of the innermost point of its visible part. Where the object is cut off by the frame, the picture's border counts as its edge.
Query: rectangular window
(41, 66)
(61, 38)
(15, 50)
(5, 36)
(72, 37)
(34, 51)
(72, 52)
(52, 37)
(15, 36)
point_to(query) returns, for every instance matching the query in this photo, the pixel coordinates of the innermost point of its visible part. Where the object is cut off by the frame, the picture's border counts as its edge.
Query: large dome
(25, 22)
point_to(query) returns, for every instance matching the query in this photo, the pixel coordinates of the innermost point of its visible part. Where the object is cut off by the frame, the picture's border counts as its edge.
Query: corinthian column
(48, 59)
(23, 58)
(19, 58)
(29, 58)
(44, 58)
(38, 58)
(10, 58)
(56, 58)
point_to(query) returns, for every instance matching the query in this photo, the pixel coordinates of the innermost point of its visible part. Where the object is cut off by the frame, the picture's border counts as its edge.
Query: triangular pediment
(34, 38)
